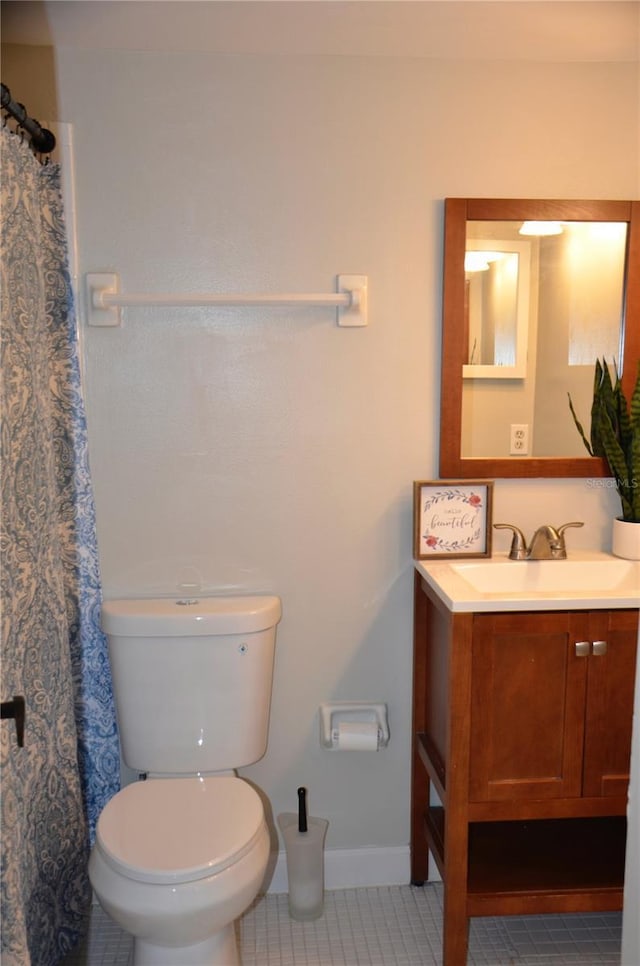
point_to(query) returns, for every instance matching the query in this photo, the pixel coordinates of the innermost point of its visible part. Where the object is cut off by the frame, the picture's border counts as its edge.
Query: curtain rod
(42, 140)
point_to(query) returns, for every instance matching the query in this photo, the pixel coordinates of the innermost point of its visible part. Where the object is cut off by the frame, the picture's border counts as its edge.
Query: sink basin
(490, 576)
(587, 580)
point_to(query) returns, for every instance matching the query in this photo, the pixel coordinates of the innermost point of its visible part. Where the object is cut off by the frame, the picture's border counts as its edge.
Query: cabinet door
(609, 712)
(527, 706)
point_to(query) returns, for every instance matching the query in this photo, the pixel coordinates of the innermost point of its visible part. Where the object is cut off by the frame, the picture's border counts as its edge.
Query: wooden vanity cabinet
(522, 727)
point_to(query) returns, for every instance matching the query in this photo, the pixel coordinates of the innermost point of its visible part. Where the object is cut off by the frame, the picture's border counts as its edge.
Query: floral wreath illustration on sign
(452, 518)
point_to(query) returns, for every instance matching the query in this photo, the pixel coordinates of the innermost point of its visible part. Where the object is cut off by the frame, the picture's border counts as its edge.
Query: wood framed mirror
(581, 265)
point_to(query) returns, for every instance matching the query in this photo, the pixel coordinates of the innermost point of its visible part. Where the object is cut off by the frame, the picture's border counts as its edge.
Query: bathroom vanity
(522, 714)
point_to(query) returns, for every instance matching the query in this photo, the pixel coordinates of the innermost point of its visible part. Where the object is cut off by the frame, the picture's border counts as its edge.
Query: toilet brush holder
(305, 864)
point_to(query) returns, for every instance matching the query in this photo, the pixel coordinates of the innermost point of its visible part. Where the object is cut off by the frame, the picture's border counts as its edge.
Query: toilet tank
(192, 680)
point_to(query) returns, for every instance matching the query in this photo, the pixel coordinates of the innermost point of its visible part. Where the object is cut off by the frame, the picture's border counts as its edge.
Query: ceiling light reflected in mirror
(540, 229)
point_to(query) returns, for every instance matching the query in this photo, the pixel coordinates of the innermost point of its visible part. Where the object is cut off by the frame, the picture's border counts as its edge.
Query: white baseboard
(350, 868)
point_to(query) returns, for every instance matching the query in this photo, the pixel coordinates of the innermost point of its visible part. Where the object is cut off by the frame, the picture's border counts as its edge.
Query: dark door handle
(15, 709)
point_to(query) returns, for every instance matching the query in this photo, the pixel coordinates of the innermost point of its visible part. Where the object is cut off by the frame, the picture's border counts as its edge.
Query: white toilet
(180, 856)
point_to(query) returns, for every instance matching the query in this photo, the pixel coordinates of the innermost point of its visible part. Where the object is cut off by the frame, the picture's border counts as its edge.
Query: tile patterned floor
(387, 926)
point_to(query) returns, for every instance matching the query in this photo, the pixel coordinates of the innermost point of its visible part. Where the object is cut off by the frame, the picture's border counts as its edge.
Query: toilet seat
(179, 829)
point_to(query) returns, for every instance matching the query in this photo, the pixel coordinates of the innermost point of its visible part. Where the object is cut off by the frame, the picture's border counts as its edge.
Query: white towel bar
(104, 299)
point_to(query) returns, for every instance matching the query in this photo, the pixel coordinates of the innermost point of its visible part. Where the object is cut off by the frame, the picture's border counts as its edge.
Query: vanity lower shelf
(539, 866)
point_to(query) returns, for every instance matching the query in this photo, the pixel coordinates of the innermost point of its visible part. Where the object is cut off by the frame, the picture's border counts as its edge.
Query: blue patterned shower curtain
(53, 651)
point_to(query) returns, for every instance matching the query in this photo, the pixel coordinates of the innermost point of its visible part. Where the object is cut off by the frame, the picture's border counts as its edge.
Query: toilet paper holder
(333, 714)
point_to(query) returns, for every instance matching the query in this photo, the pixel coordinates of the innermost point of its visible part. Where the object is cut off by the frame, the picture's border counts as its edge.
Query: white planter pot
(626, 539)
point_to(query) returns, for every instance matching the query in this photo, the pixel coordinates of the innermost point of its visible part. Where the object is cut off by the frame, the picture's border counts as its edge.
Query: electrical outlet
(519, 439)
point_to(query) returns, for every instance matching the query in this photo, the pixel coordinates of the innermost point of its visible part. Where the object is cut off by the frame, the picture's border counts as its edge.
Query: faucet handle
(561, 544)
(565, 526)
(518, 543)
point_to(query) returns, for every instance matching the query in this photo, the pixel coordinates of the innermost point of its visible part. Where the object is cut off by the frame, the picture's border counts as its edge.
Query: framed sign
(452, 518)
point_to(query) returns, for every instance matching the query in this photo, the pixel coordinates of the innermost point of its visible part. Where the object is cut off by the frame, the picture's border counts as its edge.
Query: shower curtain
(53, 651)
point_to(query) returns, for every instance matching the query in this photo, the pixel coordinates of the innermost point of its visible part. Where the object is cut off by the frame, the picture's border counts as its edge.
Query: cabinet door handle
(583, 648)
(599, 648)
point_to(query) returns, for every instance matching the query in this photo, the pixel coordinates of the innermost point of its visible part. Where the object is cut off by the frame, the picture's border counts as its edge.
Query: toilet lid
(179, 829)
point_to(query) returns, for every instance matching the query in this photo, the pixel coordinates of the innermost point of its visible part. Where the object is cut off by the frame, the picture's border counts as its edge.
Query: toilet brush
(304, 845)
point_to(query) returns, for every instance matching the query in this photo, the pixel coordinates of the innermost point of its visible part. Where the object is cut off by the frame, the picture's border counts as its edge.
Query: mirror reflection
(542, 302)
(497, 303)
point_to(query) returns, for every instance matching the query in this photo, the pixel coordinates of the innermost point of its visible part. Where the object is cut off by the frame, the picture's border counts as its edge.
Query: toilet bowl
(176, 861)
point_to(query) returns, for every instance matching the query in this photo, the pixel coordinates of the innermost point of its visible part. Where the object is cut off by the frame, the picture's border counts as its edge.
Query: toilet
(181, 854)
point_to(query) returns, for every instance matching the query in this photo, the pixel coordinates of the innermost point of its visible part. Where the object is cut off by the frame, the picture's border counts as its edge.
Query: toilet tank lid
(193, 616)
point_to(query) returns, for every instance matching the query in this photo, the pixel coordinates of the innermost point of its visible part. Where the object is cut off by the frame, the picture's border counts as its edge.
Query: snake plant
(615, 435)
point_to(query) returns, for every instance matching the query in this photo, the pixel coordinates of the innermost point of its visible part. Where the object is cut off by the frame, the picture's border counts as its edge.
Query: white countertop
(587, 580)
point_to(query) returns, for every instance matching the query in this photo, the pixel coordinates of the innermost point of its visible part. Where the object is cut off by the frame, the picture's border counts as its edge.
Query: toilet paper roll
(357, 736)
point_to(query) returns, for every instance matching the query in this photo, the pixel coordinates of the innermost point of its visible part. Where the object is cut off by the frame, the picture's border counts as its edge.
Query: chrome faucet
(547, 543)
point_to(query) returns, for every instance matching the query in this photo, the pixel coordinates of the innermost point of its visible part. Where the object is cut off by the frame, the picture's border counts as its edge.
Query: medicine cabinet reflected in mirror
(534, 292)
(497, 303)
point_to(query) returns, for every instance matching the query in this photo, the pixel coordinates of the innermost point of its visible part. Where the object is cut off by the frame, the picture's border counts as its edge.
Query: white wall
(270, 450)
(630, 921)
